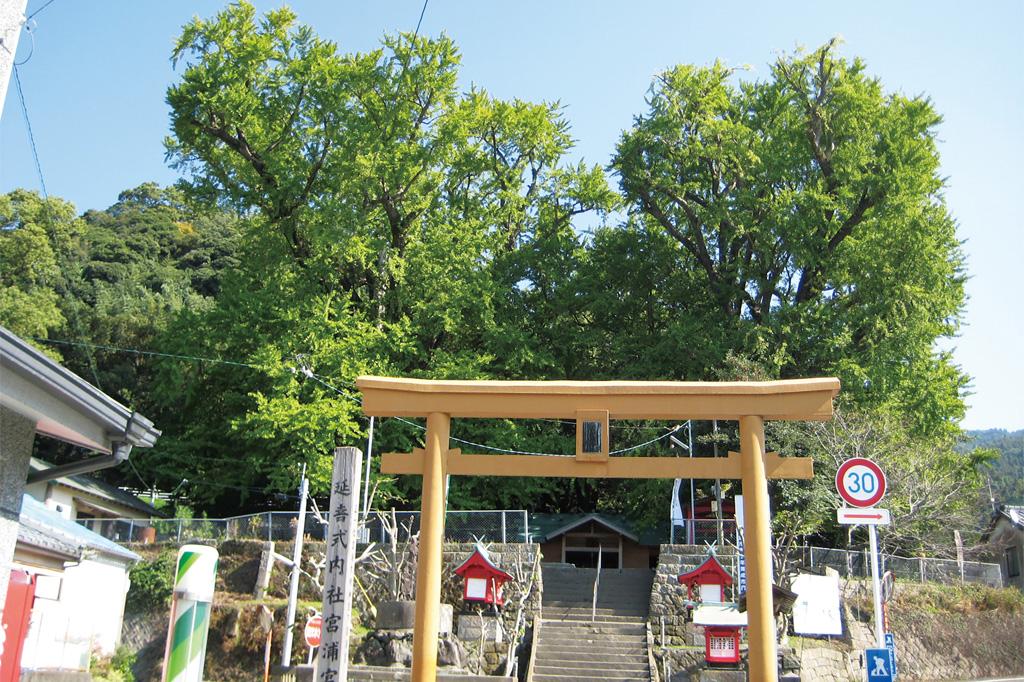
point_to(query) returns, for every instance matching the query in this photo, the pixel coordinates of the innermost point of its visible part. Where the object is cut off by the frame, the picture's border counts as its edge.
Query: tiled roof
(36, 517)
(47, 542)
(545, 527)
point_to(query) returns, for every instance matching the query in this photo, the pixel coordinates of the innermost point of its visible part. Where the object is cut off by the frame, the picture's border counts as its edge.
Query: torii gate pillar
(428, 571)
(757, 549)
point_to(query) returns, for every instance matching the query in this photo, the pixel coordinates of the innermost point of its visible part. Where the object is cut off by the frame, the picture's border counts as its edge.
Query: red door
(18, 608)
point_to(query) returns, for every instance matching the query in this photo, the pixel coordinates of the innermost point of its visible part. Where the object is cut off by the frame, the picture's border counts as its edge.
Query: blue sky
(96, 78)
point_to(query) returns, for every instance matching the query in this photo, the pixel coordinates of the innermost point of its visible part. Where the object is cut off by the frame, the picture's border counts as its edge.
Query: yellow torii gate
(592, 404)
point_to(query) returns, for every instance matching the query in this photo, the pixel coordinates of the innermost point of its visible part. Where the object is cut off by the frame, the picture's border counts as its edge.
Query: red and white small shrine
(722, 622)
(721, 644)
(710, 580)
(484, 580)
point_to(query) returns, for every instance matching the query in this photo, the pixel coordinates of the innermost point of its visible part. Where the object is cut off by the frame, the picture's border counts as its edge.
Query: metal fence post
(270, 526)
(503, 526)
(920, 564)
(131, 528)
(179, 529)
(526, 525)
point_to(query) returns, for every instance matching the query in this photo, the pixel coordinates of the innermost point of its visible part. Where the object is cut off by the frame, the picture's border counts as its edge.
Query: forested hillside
(1007, 474)
(346, 213)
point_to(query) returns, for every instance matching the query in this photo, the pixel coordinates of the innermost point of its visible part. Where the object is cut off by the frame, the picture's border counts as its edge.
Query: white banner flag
(677, 509)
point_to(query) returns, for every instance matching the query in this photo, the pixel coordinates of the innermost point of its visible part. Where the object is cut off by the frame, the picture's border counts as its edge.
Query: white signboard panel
(852, 516)
(476, 588)
(816, 610)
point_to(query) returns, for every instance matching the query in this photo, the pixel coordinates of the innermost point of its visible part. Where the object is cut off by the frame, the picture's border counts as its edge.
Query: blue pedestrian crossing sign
(879, 663)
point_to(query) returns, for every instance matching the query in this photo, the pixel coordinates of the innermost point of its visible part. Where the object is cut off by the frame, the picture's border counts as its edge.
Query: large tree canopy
(809, 206)
(389, 215)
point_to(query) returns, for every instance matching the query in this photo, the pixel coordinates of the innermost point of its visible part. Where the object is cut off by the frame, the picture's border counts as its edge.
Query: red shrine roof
(481, 560)
(709, 573)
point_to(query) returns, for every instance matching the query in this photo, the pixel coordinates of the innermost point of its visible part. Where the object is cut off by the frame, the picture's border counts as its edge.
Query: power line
(144, 352)
(47, 4)
(422, 12)
(57, 252)
(305, 371)
(31, 136)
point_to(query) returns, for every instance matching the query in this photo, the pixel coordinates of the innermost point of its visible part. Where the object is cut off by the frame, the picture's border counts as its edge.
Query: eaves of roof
(98, 489)
(27, 374)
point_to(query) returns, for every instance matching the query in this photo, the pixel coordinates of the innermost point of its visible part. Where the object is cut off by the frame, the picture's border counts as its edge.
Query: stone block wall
(522, 562)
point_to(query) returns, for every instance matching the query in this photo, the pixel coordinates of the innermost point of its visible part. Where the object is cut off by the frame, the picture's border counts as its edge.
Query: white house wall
(1009, 536)
(60, 500)
(62, 634)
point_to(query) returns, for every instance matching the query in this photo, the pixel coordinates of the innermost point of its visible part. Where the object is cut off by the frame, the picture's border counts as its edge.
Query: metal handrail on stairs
(597, 582)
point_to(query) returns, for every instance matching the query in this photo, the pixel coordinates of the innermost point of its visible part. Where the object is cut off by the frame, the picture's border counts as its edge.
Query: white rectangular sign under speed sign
(852, 516)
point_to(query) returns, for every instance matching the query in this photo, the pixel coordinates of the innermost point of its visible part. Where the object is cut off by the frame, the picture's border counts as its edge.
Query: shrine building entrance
(593, 405)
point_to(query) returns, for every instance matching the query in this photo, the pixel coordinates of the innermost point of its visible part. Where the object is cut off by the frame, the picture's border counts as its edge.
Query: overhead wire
(320, 379)
(418, 23)
(45, 5)
(52, 232)
(136, 351)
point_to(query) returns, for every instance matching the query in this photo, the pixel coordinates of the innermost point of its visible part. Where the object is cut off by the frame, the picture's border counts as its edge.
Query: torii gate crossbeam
(593, 404)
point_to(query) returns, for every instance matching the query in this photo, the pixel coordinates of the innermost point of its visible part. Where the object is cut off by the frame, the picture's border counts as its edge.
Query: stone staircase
(613, 646)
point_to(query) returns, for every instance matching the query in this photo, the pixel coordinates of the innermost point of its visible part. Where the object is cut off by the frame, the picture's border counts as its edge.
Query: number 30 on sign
(860, 482)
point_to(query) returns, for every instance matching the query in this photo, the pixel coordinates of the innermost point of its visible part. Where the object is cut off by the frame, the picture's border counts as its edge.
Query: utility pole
(718, 487)
(12, 18)
(366, 482)
(293, 587)
(693, 501)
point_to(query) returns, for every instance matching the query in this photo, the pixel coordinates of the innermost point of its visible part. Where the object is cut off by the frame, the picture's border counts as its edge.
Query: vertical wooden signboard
(332, 665)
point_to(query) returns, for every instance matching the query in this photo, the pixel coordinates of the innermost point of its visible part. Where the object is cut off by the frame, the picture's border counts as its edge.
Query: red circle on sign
(852, 482)
(312, 631)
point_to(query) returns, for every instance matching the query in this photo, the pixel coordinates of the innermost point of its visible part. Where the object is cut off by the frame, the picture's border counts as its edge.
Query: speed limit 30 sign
(860, 482)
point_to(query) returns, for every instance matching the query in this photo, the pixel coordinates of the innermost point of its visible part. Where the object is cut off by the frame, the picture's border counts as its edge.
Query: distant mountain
(1007, 475)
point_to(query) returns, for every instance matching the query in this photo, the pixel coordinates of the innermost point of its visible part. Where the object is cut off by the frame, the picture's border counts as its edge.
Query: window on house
(1012, 562)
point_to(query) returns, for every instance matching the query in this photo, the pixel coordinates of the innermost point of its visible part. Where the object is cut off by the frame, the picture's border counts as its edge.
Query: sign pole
(341, 556)
(293, 585)
(877, 588)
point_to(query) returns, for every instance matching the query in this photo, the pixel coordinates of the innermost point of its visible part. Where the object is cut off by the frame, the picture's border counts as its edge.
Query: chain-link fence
(856, 564)
(703, 531)
(501, 525)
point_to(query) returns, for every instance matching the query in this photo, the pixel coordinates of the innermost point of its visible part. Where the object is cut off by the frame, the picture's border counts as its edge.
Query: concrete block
(470, 626)
(715, 675)
(401, 615)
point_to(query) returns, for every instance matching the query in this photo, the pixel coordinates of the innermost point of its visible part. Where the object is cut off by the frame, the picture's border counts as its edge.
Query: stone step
(570, 627)
(615, 601)
(605, 643)
(606, 599)
(596, 661)
(372, 673)
(603, 588)
(577, 678)
(548, 664)
(571, 647)
(544, 673)
(585, 616)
